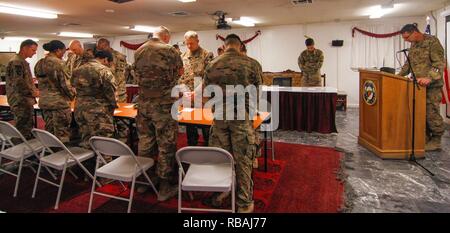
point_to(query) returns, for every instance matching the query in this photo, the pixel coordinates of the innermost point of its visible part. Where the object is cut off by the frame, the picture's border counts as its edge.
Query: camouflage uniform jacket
(233, 68)
(19, 82)
(158, 68)
(311, 62)
(95, 85)
(194, 65)
(118, 69)
(74, 61)
(427, 60)
(54, 83)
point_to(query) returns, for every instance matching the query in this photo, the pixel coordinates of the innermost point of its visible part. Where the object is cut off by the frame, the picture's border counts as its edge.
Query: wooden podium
(385, 120)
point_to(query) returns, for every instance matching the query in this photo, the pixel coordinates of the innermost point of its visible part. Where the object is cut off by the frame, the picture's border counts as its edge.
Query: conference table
(310, 109)
(186, 116)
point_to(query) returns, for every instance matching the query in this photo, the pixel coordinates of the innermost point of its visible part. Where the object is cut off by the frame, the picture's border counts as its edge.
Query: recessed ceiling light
(379, 11)
(110, 11)
(187, 0)
(30, 12)
(76, 34)
(141, 28)
(19, 38)
(245, 21)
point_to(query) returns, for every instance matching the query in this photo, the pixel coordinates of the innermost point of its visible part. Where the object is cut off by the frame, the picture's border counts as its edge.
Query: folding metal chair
(19, 153)
(210, 169)
(5, 141)
(126, 168)
(62, 160)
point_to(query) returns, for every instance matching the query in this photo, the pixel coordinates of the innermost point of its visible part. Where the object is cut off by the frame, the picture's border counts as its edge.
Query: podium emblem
(370, 93)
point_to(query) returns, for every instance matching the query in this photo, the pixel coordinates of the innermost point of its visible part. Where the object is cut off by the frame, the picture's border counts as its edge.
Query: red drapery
(374, 34)
(244, 41)
(131, 46)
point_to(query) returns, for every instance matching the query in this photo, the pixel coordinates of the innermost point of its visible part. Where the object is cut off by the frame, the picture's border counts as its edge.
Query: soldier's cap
(54, 45)
(233, 36)
(104, 54)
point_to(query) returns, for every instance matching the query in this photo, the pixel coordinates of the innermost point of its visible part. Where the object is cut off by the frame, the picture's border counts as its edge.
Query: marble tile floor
(374, 185)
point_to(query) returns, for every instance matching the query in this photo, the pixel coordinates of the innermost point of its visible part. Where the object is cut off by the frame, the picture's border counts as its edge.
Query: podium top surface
(385, 74)
(300, 89)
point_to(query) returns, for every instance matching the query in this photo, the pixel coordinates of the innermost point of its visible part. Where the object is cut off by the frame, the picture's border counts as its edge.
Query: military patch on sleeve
(19, 70)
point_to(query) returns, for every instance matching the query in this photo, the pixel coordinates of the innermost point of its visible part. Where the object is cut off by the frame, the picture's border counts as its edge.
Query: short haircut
(27, 43)
(160, 31)
(104, 54)
(190, 34)
(309, 42)
(150, 35)
(233, 39)
(219, 49)
(103, 41)
(176, 46)
(410, 28)
(54, 45)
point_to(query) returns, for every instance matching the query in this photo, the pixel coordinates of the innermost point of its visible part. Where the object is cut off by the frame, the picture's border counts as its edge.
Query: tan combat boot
(218, 200)
(167, 191)
(434, 144)
(248, 209)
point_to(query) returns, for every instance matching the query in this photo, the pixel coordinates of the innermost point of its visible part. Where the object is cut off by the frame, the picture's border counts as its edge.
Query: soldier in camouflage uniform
(428, 62)
(310, 61)
(76, 57)
(20, 89)
(194, 60)
(236, 136)
(158, 66)
(118, 67)
(96, 98)
(56, 92)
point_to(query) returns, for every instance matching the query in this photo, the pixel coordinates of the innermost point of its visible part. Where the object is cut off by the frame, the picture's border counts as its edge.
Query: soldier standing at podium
(310, 63)
(428, 61)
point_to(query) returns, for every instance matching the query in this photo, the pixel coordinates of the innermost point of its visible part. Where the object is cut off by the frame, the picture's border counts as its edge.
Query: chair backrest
(282, 81)
(109, 146)
(203, 155)
(9, 130)
(47, 139)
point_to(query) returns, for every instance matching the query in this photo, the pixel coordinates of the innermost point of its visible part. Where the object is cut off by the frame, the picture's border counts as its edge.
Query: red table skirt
(310, 112)
(131, 92)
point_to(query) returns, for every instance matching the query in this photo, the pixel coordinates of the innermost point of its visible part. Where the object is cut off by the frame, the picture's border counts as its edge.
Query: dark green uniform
(428, 61)
(56, 94)
(236, 136)
(21, 93)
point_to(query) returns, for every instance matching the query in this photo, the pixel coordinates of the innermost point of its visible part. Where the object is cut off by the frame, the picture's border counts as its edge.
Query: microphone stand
(412, 157)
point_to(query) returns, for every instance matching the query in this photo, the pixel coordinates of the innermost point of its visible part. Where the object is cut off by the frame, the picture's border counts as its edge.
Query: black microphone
(403, 50)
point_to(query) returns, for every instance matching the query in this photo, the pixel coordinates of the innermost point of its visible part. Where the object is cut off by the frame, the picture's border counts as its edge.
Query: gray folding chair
(127, 167)
(19, 153)
(62, 160)
(6, 142)
(210, 169)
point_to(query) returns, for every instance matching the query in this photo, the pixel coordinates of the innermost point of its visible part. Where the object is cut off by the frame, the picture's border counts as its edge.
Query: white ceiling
(91, 17)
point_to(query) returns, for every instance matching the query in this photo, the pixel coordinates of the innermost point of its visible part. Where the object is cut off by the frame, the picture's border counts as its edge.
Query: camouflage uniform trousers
(57, 122)
(96, 121)
(23, 116)
(238, 137)
(122, 128)
(435, 123)
(311, 79)
(157, 127)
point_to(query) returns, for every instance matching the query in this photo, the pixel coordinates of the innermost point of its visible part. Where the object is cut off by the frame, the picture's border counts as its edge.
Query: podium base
(391, 154)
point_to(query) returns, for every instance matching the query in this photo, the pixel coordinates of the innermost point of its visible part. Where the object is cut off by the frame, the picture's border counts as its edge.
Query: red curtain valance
(244, 41)
(131, 46)
(374, 34)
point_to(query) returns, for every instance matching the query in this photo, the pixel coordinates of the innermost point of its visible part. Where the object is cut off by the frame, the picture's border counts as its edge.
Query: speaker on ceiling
(337, 43)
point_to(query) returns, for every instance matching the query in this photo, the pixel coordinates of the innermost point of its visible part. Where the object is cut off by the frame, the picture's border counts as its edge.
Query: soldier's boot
(218, 199)
(434, 144)
(247, 209)
(142, 188)
(167, 191)
(255, 163)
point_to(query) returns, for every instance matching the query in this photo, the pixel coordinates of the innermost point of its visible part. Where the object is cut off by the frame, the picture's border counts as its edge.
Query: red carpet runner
(303, 179)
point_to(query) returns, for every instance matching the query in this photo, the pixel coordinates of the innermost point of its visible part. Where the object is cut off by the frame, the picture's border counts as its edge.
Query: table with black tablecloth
(309, 109)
